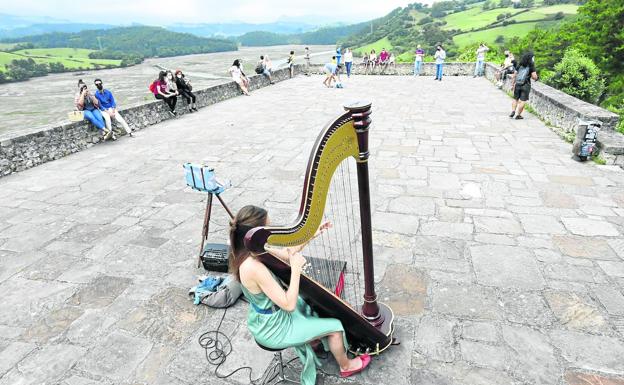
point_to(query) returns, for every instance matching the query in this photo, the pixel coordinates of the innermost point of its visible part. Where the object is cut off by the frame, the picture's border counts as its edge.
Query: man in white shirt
(480, 60)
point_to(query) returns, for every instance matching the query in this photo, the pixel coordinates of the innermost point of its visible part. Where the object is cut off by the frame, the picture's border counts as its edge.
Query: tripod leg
(225, 206)
(205, 228)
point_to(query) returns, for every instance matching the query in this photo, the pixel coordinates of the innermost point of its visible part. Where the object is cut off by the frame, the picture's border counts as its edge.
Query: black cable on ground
(217, 347)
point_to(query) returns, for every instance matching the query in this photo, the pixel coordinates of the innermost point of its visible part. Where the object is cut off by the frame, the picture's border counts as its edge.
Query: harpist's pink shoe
(365, 358)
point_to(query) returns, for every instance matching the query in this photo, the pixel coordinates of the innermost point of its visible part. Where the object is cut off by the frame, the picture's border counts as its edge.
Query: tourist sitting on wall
(365, 61)
(89, 105)
(239, 76)
(161, 92)
(185, 89)
(383, 59)
(264, 67)
(331, 71)
(108, 106)
(172, 86)
(508, 67)
(392, 61)
(372, 61)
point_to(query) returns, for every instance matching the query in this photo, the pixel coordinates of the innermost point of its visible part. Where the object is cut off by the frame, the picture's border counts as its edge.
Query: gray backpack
(523, 76)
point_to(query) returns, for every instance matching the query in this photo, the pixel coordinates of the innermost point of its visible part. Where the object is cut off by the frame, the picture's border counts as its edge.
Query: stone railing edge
(22, 150)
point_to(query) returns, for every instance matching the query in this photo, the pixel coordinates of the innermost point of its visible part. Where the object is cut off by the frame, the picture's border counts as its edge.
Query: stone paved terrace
(502, 258)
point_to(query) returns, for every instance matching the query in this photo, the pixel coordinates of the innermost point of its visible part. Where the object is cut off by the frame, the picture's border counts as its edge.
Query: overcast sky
(198, 11)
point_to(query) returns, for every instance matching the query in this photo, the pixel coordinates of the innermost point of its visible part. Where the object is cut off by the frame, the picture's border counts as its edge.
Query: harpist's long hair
(246, 219)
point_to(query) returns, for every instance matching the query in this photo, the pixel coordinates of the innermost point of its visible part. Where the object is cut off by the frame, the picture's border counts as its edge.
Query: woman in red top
(161, 91)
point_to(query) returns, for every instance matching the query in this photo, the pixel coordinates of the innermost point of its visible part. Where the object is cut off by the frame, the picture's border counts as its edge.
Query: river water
(45, 101)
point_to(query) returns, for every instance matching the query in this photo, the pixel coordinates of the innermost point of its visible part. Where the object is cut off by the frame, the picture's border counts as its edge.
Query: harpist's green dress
(282, 329)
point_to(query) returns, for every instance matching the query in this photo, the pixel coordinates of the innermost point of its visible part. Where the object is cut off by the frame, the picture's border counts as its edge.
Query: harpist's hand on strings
(296, 261)
(324, 226)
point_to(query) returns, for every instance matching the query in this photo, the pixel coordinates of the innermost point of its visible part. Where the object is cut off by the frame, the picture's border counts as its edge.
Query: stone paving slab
(502, 257)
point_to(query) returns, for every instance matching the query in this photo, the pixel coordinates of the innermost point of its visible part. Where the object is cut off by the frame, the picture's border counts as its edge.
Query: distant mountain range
(12, 26)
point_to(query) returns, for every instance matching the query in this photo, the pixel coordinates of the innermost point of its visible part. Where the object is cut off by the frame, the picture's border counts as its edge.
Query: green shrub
(578, 76)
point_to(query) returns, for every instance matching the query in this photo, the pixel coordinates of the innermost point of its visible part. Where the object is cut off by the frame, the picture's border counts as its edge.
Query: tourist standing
(239, 77)
(89, 105)
(440, 56)
(185, 89)
(348, 60)
(525, 71)
(338, 56)
(480, 60)
(418, 60)
(108, 106)
(160, 88)
(307, 61)
(291, 63)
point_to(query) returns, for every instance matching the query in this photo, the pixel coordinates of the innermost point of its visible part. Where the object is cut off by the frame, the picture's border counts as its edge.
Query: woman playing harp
(279, 318)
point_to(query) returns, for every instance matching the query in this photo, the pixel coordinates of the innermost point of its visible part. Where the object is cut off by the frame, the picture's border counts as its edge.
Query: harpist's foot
(356, 365)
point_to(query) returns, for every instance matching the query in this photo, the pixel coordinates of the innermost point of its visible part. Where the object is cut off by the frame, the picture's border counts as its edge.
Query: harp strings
(338, 250)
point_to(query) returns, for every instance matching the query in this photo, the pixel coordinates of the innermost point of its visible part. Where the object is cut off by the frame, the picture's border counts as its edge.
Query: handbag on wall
(75, 116)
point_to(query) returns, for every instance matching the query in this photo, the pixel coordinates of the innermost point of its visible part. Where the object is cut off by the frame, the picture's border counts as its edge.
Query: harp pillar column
(360, 112)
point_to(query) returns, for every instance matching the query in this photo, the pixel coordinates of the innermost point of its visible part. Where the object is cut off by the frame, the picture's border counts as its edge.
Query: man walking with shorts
(525, 71)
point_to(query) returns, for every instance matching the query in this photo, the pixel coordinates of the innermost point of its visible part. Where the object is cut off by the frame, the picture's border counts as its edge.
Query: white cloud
(161, 12)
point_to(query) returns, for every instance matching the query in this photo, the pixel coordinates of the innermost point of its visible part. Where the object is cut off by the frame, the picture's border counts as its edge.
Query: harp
(339, 279)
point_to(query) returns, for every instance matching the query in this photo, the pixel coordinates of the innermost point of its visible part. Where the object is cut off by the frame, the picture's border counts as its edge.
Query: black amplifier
(215, 257)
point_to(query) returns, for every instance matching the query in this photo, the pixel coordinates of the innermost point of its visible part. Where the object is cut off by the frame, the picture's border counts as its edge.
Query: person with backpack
(439, 56)
(185, 89)
(263, 68)
(108, 106)
(160, 89)
(525, 71)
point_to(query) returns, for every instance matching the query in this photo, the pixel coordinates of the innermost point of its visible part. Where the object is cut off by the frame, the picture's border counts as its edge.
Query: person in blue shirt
(338, 55)
(331, 71)
(108, 106)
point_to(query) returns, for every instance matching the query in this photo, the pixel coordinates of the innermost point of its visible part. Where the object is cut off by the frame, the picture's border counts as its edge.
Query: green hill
(458, 25)
(327, 35)
(141, 41)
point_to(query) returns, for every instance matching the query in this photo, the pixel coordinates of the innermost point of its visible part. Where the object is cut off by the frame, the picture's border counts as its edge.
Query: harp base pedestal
(385, 324)
(384, 320)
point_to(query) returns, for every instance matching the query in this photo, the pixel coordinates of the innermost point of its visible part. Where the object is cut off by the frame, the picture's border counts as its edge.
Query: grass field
(541, 13)
(6, 58)
(71, 58)
(56, 52)
(377, 46)
(474, 18)
(490, 35)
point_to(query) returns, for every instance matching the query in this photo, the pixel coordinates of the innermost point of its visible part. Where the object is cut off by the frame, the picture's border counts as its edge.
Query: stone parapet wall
(564, 113)
(428, 69)
(560, 109)
(22, 150)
